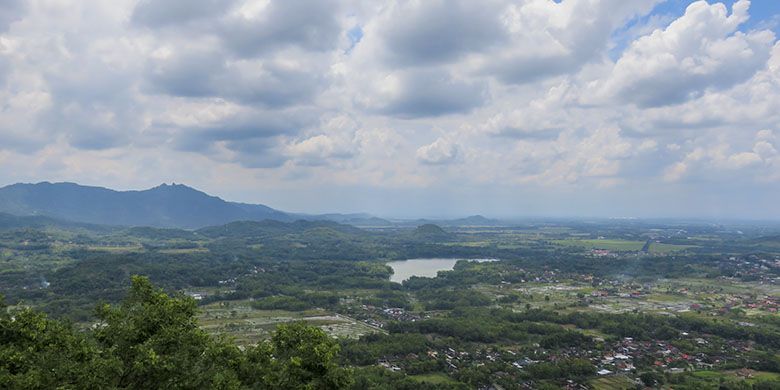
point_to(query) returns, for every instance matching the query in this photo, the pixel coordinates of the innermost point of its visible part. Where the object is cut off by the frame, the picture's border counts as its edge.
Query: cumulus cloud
(564, 96)
(246, 125)
(337, 140)
(700, 50)
(549, 38)
(164, 13)
(437, 31)
(711, 160)
(10, 12)
(256, 27)
(424, 93)
(253, 138)
(273, 82)
(441, 151)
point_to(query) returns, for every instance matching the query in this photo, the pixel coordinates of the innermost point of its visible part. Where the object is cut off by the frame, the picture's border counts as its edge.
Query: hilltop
(162, 206)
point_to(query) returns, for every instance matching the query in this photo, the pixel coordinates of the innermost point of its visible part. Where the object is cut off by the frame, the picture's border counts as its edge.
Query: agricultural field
(249, 326)
(612, 245)
(559, 304)
(617, 382)
(656, 247)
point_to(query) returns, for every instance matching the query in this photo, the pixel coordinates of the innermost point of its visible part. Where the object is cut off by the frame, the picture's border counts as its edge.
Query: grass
(248, 325)
(178, 251)
(756, 376)
(435, 379)
(613, 245)
(659, 297)
(469, 244)
(622, 245)
(618, 382)
(667, 248)
(116, 249)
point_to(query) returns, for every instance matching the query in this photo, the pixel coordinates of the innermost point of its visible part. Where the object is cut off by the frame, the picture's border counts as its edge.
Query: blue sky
(763, 13)
(403, 108)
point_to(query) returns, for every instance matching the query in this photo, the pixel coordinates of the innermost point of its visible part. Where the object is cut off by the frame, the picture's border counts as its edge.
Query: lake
(405, 269)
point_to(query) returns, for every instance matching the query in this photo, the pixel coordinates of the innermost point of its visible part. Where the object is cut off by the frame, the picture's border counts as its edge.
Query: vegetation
(153, 341)
(294, 304)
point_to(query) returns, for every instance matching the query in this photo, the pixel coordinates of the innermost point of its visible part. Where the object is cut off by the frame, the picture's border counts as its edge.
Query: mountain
(163, 206)
(430, 232)
(471, 221)
(356, 219)
(475, 220)
(8, 221)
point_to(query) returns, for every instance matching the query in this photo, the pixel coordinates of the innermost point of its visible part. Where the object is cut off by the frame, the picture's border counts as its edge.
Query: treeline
(152, 341)
(650, 326)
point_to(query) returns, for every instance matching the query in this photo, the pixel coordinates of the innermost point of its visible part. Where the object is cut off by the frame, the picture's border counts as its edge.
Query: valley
(563, 304)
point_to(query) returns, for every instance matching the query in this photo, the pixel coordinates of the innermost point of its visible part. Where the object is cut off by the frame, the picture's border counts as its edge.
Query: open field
(748, 376)
(617, 382)
(479, 324)
(613, 245)
(433, 379)
(248, 325)
(657, 247)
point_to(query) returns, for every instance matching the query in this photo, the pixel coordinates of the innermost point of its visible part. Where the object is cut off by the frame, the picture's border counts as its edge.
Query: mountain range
(166, 206)
(163, 206)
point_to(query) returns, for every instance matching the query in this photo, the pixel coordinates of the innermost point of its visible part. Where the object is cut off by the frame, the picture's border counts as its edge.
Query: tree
(39, 353)
(158, 344)
(152, 341)
(305, 357)
(651, 378)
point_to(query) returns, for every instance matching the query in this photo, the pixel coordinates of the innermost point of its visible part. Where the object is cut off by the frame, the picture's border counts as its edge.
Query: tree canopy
(152, 340)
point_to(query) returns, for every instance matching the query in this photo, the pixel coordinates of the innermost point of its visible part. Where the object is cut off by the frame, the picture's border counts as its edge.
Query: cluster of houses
(375, 317)
(624, 356)
(399, 314)
(765, 303)
(602, 253)
(232, 281)
(755, 267)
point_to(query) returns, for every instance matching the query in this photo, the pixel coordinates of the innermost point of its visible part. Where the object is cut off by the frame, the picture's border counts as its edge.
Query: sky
(505, 108)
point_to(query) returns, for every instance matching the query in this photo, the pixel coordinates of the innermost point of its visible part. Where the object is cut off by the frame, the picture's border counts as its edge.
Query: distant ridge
(165, 206)
(174, 205)
(8, 221)
(271, 228)
(474, 220)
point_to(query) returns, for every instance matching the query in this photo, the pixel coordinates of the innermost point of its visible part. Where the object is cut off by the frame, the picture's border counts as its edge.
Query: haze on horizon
(644, 108)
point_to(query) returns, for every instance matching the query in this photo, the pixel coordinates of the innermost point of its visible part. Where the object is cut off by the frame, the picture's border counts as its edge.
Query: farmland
(600, 305)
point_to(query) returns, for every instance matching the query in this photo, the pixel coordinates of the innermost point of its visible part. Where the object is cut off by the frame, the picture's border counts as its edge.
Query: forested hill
(272, 228)
(163, 206)
(8, 221)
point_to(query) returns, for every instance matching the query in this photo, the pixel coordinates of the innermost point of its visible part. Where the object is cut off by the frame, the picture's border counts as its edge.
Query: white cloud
(337, 142)
(701, 50)
(441, 151)
(396, 95)
(548, 38)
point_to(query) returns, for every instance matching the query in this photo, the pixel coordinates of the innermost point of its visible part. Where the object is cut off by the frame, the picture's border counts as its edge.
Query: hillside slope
(163, 206)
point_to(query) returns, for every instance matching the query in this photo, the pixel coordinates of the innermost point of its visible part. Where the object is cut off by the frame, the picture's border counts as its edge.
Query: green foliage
(651, 378)
(305, 357)
(157, 341)
(373, 378)
(370, 348)
(569, 368)
(40, 353)
(445, 299)
(152, 341)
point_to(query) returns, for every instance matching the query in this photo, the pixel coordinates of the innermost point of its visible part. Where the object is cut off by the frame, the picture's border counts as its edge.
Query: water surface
(405, 269)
